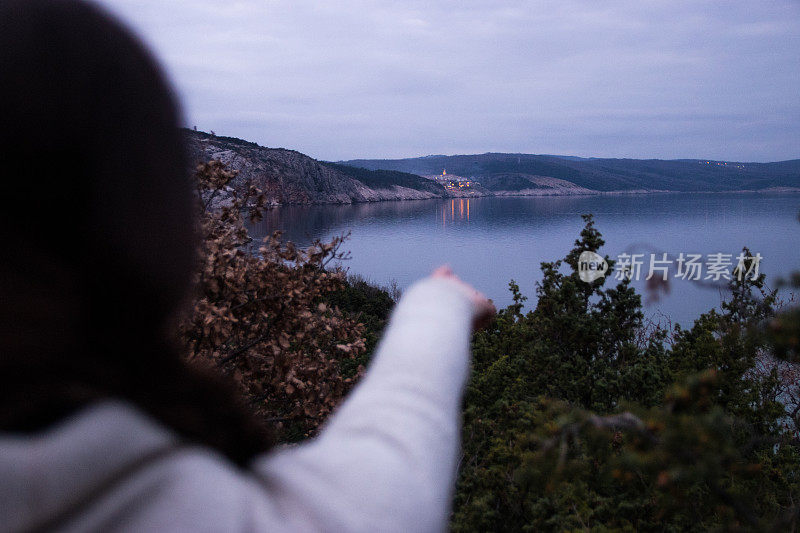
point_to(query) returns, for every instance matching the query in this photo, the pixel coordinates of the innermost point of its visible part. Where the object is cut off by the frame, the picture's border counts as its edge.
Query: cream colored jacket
(385, 461)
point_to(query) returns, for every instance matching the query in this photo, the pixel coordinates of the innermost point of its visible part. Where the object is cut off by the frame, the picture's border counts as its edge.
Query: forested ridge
(604, 174)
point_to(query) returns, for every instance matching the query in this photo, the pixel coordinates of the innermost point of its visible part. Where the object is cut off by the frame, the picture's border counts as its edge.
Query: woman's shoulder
(111, 465)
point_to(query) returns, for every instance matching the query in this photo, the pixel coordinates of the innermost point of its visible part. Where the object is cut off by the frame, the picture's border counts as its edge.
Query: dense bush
(368, 304)
(575, 419)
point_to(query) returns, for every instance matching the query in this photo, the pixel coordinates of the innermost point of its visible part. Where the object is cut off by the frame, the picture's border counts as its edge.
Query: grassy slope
(384, 179)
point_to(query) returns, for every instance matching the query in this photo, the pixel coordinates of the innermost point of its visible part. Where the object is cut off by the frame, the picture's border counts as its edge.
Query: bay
(489, 241)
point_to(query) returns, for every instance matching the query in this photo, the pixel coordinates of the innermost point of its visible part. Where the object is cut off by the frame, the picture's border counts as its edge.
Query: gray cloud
(345, 79)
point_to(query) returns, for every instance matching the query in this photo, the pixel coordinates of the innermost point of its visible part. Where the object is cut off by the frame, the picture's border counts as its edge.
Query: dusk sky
(347, 79)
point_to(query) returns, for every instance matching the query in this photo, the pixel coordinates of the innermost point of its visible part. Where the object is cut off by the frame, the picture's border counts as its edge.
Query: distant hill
(289, 177)
(508, 172)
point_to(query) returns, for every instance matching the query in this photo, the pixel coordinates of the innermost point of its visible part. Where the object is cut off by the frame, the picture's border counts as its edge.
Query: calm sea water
(489, 241)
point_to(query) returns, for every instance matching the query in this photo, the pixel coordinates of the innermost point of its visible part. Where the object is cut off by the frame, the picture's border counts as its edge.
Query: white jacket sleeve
(386, 460)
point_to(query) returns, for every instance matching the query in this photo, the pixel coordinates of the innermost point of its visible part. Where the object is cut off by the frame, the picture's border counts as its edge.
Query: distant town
(452, 182)
(722, 164)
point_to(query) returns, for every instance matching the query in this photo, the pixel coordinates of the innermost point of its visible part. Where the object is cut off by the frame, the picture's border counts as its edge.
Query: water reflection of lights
(459, 210)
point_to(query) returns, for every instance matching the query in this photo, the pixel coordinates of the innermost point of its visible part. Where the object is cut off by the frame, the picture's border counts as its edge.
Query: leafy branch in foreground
(260, 313)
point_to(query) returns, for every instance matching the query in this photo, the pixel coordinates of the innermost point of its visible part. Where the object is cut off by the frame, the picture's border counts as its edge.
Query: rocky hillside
(289, 177)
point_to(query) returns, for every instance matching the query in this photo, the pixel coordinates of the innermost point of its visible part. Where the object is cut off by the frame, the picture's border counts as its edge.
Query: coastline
(406, 194)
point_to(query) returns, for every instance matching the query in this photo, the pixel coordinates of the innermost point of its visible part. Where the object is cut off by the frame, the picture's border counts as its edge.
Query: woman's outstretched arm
(386, 461)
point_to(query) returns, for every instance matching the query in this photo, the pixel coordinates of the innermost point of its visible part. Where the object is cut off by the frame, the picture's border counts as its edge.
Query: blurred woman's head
(97, 226)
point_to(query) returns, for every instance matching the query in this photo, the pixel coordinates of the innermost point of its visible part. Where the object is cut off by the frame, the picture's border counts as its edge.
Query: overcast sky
(345, 79)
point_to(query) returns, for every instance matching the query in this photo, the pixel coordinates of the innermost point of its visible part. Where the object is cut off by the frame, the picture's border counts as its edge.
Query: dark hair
(98, 231)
